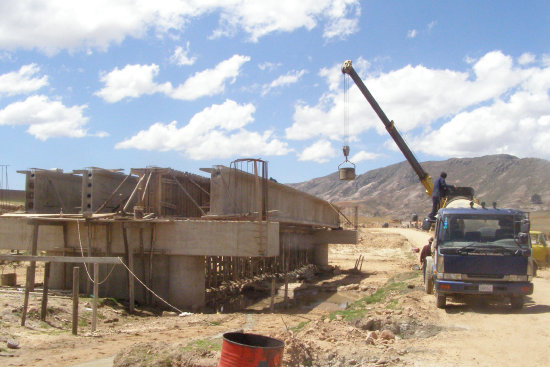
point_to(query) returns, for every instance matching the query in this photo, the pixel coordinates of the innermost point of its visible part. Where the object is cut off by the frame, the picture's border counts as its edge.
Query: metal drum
(250, 350)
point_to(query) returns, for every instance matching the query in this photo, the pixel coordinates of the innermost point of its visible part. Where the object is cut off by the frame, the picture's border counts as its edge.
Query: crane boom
(424, 177)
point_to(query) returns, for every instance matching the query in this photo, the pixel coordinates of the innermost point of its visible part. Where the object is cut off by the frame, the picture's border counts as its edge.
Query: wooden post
(44, 308)
(286, 257)
(259, 204)
(272, 303)
(356, 218)
(89, 249)
(131, 281)
(76, 285)
(64, 253)
(27, 290)
(96, 294)
(34, 252)
(150, 279)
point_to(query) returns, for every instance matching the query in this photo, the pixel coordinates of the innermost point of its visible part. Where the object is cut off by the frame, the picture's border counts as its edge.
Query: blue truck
(481, 252)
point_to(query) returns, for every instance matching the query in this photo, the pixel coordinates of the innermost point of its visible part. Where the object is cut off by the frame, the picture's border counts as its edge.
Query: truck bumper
(509, 289)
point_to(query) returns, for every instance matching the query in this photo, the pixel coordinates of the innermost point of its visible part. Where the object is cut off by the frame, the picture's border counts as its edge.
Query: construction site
(180, 235)
(231, 268)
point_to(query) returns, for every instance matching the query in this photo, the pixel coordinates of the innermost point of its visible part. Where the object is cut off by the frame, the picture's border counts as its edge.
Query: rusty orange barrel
(250, 350)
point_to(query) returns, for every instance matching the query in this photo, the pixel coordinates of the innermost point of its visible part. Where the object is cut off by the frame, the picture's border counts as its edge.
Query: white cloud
(289, 78)
(412, 33)
(211, 81)
(431, 25)
(270, 66)
(181, 56)
(526, 58)
(86, 25)
(320, 152)
(216, 132)
(22, 81)
(364, 156)
(133, 81)
(495, 107)
(413, 96)
(259, 18)
(46, 118)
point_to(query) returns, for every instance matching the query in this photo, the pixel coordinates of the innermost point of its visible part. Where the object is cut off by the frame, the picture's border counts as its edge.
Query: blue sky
(190, 84)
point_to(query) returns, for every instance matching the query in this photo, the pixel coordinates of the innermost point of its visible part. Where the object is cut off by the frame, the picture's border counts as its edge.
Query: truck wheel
(516, 303)
(428, 283)
(440, 300)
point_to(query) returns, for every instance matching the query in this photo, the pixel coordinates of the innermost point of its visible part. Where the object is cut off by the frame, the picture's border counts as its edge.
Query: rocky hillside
(396, 191)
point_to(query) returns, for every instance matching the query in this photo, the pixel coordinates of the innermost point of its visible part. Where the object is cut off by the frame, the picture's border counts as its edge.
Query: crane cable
(346, 116)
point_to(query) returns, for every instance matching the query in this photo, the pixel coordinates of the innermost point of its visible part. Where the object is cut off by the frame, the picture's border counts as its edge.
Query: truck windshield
(470, 230)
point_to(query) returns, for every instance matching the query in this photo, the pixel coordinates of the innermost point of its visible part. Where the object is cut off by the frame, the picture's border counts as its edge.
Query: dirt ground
(376, 316)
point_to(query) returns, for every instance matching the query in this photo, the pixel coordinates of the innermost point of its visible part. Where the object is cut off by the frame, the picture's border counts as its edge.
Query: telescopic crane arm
(424, 177)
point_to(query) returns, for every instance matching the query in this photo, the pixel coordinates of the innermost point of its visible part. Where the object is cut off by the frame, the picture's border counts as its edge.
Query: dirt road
(386, 294)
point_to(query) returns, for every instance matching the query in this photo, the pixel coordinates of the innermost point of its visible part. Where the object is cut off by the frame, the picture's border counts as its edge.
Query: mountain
(396, 191)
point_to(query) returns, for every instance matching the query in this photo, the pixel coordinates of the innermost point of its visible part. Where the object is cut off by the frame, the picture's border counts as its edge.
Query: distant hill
(396, 191)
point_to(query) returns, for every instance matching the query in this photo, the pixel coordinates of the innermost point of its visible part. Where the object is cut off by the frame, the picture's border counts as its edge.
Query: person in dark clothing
(439, 191)
(426, 251)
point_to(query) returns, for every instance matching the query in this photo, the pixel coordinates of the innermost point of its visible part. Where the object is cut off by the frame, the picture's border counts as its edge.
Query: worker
(426, 251)
(439, 191)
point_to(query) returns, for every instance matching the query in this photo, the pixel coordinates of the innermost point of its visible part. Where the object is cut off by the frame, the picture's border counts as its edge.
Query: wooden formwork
(170, 193)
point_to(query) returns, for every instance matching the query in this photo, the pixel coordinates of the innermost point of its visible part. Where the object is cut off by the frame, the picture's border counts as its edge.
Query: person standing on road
(440, 190)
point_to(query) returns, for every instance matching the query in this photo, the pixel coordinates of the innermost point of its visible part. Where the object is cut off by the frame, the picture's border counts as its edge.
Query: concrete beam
(233, 193)
(181, 237)
(52, 191)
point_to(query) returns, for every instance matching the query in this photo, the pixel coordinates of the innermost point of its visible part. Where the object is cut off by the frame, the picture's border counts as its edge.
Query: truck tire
(517, 302)
(440, 300)
(428, 275)
(428, 283)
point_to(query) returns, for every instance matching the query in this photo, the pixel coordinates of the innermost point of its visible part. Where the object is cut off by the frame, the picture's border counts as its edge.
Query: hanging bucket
(347, 173)
(250, 350)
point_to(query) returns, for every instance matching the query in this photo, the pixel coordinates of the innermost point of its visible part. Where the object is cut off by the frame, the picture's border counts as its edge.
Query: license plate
(485, 287)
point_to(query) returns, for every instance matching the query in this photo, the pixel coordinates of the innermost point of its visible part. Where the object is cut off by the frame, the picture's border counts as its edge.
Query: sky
(123, 84)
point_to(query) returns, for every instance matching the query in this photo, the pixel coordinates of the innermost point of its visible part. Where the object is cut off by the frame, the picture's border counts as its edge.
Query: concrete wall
(177, 279)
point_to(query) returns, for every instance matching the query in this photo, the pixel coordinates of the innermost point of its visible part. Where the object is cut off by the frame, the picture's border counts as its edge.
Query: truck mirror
(525, 226)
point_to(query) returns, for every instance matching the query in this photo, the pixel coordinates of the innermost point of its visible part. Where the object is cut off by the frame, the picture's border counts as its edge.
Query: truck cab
(481, 252)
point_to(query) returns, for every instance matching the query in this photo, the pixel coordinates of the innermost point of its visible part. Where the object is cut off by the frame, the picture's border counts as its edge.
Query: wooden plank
(63, 259)
(34, 252)
(26, 300)
(131, 282)
(168, 205)
(188, 194)
(44, 308)
(112, 194)
(96, 294)
(76, 285)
